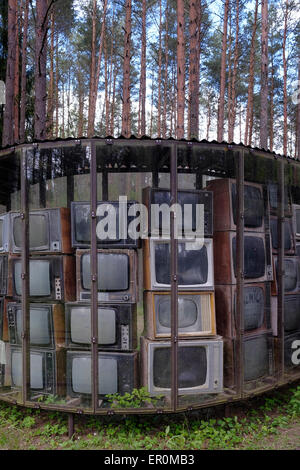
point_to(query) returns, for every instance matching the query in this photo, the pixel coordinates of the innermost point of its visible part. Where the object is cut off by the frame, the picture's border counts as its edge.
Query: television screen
(193, 264)
(3, 274)
(81, 325)
(184, 198)
(41, 327)
(292, 312)
(256, 357)
(273, 191)
(116, 373)
(113, 272)
(81, 224)
(253, 206)
(37, 370)
(38, 232)
(200, 366)
(297, 220)
(291, 273)
(288, 234)
(254, 307)
(254, 257)
(4, 233)
(1, 233)
(39, 279)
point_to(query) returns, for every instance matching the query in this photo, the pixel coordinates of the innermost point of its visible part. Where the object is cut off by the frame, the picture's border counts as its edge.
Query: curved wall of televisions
(159, 323)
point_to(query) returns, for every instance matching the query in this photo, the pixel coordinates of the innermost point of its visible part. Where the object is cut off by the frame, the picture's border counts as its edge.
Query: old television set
(117, 275)
(292, 350)
(196, 314)
(47, 371)
(257, 257)
(3, 274)
(117, 324)
(188, 200)
(225, 205)
(258, 360)
(291, 313)
(289, 242)
(121, 214)
(47, 325)
(51, 278)
(273, 193)
(257, 309)
(49, 231)
(195, 264)
(117, 373)
(296, 220)
(200, 366)
(4, 233)
(291, 275)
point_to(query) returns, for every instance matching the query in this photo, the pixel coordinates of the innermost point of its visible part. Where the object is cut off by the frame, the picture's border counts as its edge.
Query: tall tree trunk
(57, 88)
(80, 104)
(142, 92)
(23, 73)
(194, 65)
(51, 82)
(232, 107)
(126, 118)
(264, 77)
(298, 111)
(8, 123)
(40, 70)
(159, 73)
(164, 132)
(180, 70)
(17, 80)
(272, 107)
(91, 114)
(248, 131)
(221, 108)
(285, 97)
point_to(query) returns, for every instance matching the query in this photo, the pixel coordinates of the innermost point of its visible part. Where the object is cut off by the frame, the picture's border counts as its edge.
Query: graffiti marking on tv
(296, 353)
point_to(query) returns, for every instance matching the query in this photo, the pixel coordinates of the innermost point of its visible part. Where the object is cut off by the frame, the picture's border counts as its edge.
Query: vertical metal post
(25, 278)
(70, 425)
(174, 283)
(240, 275)
(94, 277)
(70, 190)
(281, 271)
(104, 185)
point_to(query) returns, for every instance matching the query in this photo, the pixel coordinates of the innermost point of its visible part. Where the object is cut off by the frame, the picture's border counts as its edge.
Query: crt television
(291, 275)
(196, 314)
(289, 242)
(257, 257)
(4, 233)
(296, 220)
(47, 370)
(184, 198)
(47, 325)
(200, 366)
(257, 308)
(195, 264)
(117, 275)
(291, 314)
(225, 205)
(51, 278)
(3, 274)
(273, 193)
(81, 224)
(291, 350)
(117, 373)
(117, 325)
(258, 358)
(49, 231)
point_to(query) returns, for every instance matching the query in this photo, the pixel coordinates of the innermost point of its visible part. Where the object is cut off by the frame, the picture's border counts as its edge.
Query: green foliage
(137, 399)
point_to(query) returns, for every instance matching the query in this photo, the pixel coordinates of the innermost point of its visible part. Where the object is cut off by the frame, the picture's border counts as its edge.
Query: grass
(271, 422)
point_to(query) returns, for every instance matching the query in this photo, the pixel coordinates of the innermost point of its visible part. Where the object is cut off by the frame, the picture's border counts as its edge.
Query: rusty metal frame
(281, 270)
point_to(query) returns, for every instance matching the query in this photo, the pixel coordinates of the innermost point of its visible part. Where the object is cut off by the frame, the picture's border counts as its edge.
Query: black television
(273, 192)
(49, 231)
(258, 357)
(116, 326)
(188, 201)
(3, 274)
(51, 278)
(117, 275)
(117, 373)
(81, 224)
(292, 350)
(4, 233)
(291, 313)
(291, 275)
(256, 307)
(289, 243)
(254, 257)
(47, 370)
(47, 327)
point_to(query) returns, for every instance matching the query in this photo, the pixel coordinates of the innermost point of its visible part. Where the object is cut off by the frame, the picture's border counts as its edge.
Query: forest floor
(271, 422)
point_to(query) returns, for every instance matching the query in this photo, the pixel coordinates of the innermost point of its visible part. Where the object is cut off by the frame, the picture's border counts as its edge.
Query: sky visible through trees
(205, 69)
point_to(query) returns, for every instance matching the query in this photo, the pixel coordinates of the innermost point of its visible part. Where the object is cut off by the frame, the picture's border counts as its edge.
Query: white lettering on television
(296, 354)
(2, 92)
(296, 94)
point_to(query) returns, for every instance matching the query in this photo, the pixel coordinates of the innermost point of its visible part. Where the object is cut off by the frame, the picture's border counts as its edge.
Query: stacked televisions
(51, 283)
(257, 342)
(117, 281)
(200, 350)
